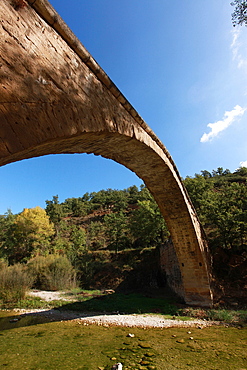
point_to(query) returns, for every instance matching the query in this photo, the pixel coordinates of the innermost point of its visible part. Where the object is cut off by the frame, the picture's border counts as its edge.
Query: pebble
(14, 320)
(143, 321)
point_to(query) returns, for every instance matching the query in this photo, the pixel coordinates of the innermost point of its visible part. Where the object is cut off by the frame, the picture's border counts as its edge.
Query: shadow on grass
(117, 303)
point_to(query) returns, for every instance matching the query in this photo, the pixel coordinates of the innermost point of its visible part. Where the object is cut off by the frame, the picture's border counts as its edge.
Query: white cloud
(243, 164)
(238, 50)
(217, 127)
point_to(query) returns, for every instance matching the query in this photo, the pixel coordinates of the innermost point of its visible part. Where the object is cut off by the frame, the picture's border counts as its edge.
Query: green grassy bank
(35, 343)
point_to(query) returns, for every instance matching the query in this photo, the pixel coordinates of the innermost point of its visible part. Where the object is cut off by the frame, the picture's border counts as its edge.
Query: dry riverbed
(109, 319)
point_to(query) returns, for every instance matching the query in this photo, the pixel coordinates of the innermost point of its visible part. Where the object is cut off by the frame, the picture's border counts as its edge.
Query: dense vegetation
(103, 234)
(239, 16)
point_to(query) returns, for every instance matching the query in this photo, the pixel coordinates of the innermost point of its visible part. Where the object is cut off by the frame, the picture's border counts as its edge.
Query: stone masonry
(54, 98)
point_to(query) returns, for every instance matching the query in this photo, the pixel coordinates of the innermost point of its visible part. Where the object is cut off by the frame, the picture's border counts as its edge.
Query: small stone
(180, 341)
(144, 346)
(188, 332)
(14, 320)
(117, 366)
(113, 358)
(191, 338)
(174, 336)
(131, 335)
(143, 362)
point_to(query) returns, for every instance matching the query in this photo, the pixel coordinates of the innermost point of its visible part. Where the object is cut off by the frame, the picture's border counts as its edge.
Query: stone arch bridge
(54, 98)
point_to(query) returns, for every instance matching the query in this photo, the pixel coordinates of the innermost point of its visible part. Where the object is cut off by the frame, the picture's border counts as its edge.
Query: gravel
(111, 319)
(133, 320)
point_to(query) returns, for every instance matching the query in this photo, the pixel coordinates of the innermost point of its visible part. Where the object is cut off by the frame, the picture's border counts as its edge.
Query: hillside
(111, 236)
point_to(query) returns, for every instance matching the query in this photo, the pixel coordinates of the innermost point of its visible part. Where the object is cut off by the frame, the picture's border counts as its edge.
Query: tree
(239, 16)
(31, 233)
(54, 210)
(75, 207)
(7, 225)
(77, 244)
(241, 171)
(147, 224)
(96, 235)
(225, 216)
(221, 203)
(197, 188)
(206, 174)
(116, 229)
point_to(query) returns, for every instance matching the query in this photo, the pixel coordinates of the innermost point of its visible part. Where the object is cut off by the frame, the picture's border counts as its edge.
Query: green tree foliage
(78, 244)
(76, 207)
(117, 230)
(84, 230)
(239, 16)
(55, 210)
(147, 224)
(225, 213)
(7, 225)
(220, 199)
(96, 235)
(197, 188)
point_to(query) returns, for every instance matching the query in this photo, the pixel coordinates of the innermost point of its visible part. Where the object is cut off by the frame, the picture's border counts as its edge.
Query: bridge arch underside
(53, 101)
(167, 190)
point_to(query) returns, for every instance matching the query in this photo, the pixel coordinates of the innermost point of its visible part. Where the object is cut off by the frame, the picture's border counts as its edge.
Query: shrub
(220, 315)
(3, 264)
(14, 283)
(52, 272)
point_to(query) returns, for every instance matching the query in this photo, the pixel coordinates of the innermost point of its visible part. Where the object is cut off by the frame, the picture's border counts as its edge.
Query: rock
(144, 346)
(109, 291)
(131, 335)
(117, 366)
(180, 341)
(13, 320)
(144, 362)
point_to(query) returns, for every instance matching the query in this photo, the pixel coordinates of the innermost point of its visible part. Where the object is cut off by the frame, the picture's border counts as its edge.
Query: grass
(134, 303)
(122, 303)
(38, 344)
(220, 314)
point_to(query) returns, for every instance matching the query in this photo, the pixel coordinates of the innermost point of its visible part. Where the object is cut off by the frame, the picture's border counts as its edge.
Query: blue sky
(181, 65)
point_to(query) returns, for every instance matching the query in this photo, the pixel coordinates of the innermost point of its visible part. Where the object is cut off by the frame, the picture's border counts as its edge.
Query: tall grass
(52, 272)
(14, 283)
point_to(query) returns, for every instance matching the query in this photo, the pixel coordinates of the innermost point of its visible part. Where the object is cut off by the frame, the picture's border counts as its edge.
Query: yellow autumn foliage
(34, 226)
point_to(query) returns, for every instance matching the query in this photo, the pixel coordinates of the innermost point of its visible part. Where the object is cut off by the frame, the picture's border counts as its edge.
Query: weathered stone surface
(54, 98)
